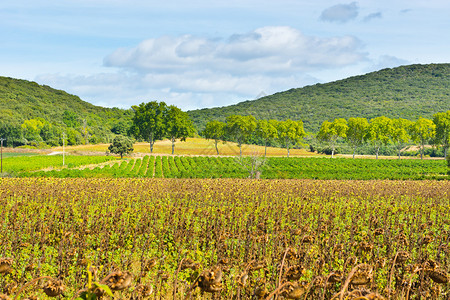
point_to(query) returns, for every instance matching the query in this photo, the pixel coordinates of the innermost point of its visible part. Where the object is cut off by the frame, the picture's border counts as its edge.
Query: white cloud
(193, 72)
(44, 37)
(340, 13)
(264, 50)
(190, 91)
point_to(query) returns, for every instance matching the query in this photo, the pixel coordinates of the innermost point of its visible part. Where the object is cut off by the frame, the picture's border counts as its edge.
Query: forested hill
(407, 92)
(22, 100)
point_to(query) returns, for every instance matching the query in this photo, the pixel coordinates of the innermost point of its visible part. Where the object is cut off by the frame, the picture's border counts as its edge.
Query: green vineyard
(272, 168)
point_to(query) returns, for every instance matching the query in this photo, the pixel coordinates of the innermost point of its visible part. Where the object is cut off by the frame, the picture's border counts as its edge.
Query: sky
(200, 54)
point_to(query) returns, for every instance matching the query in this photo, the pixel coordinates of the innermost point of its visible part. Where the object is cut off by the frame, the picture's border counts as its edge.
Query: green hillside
(407, 92)
(57, 111)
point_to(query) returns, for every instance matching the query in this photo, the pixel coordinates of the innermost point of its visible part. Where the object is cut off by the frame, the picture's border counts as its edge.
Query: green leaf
(105, 288)
(85, 296)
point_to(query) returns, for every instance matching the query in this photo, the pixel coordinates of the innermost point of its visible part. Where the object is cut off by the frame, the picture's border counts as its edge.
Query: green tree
(120, 127)
(442, 122)
(32, 129)
(214, 130)
(356, 132)
(241, 129)
(71, 119)
(400, 133)
(50, 134)
(12, 132)
(267, 131)
(378, 132)
(330, 132)
(121, 145)
(290, 133)
(178, 125)
(422, 131)
(149, 122)
(73, 136)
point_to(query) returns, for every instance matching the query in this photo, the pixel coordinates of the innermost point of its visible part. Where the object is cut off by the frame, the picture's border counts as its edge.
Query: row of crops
(326, 168)
(137, 238)
(272, 168)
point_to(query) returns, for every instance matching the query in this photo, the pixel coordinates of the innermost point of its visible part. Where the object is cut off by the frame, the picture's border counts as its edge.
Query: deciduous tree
(149, 122)
(378, 132)
(214, 130)
(178, 125)
(400, 133)
(32, 128)
(422, 131)
(356, 132)
(12, 132)
(448, 164)
(331, 131)
(240, 129)
(267, 131)
(121, 145)
(71, 119)
(290, 133)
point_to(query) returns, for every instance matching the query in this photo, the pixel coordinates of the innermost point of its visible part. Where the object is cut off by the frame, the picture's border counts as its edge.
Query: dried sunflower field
(134, 238)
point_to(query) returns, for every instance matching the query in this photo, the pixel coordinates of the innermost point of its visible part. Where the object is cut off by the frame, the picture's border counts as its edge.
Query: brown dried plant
(5, 265)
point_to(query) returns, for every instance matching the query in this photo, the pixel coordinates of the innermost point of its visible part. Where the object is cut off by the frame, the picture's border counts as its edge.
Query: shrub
(121, 145)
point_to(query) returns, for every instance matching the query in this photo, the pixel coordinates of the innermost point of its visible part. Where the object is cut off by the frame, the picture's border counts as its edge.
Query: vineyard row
(272, 168)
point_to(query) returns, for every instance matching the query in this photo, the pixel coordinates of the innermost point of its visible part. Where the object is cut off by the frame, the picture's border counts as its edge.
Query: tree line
(243, 129)
(384, 131)
(73, 129)
(154, 121)
(39, 132)
(355, 132)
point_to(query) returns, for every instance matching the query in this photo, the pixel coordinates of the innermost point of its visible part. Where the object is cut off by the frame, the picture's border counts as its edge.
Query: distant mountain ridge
(409, 92)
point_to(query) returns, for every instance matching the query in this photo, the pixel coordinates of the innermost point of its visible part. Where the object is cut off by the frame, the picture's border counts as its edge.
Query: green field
(17, 164)
(229, 167)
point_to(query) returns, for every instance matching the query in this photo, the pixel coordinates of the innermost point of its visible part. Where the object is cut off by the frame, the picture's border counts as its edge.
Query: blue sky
(196, 54)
